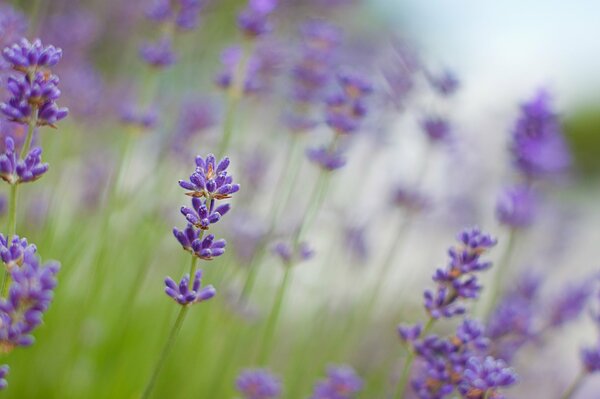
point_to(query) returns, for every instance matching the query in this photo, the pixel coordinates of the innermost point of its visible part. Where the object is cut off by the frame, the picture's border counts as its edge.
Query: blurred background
(107, 206)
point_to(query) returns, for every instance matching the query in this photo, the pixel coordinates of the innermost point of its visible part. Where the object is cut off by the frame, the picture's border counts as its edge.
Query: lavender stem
(234, 95)
(573, 387)
(408, 363)
(165, 352)
(266, 344)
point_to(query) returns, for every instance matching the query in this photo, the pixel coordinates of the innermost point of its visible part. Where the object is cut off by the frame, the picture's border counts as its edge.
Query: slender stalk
(488, 394)
(30, 129)
(266, 344)
(384, 271)
(500, 271)
(574, 387)
(235, 93)
(165, 352)
(408, 364)
(194, 262)
(14, 194)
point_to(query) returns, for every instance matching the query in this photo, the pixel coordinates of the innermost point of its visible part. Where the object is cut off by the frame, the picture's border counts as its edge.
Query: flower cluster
(158, 54)
(208, 184)
(458, 280)
(436, 128)
(538, 147)
(258, 384)
(35, 90)
(29, 296)
(454, 362)
(341, 383)
(253, 20)
(311, 73)
(516, 206)
(131, 115)
(186, 295)
(14, 170)
(512, 323)
(290, 255)
(12, 252)
(345, 110)
(183, 13)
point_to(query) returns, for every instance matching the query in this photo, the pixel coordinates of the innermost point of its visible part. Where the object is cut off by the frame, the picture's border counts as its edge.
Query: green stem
(194, 263)
(314, 204)
(235, 93)
(500, 271)
(408, 363)
(165, 352)
(266, 344)
(574, 386)
(30, 130)
(14, 194)
(387, 263)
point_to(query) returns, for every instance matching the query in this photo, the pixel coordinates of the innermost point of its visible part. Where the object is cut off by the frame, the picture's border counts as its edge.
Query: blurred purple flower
(342, 383)
(325, 158)
(436, 128)
(258, 384)
(516, 206)
(158, 54)
(538, 146)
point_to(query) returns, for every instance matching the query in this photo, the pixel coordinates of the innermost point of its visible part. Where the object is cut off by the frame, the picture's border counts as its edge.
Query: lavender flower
(436, 128)
(185, 295)
(345, 111)
(483, 377)
(158, 54)
(131, 115)
(538, 146)
(184, 13)
(15, 171)
(201, 216)
(516, 207)
(446, 83)
(258, 384)
(570, 304)
(591, 359)
(253, 21)
(34, 96)
(13, 252)
(341, 383)
(3, 373)
(326, 158)
(511, 325)
(411, 200)
(445, 360)
(187, 236)
(457, 281)
(289, 255)
(231, 57)
(210, 180)
(29, 296)
(29, 57)
(208, 248)
(410, 333)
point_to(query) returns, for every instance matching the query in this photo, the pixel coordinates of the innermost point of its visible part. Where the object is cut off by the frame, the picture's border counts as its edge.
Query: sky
(506, 48)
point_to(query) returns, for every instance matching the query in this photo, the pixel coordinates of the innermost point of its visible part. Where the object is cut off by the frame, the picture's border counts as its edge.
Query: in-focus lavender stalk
(456, 283)
(33, 94)
(209, 183)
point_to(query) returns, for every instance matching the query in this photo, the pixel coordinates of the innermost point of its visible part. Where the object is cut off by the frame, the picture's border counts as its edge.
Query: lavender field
(295, 199)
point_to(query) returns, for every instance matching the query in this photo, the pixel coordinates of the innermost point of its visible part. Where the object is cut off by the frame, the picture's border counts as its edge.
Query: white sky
(504, 48)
